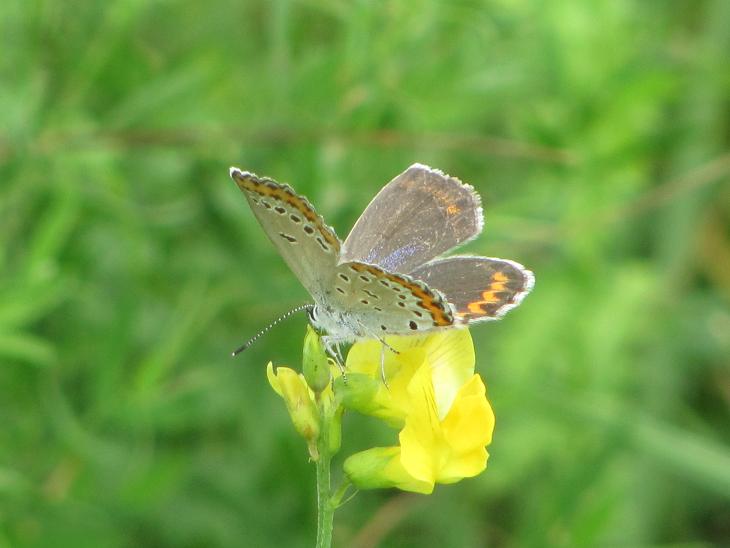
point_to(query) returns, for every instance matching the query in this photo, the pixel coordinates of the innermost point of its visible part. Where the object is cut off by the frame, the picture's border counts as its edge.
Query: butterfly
(389, 277)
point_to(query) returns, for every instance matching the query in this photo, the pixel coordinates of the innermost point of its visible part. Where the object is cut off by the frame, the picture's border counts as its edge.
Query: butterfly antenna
(268, 327)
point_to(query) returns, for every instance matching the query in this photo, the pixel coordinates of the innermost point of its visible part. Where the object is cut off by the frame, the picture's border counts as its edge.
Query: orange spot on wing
(476, 308)
(490, 295)
(272, 189)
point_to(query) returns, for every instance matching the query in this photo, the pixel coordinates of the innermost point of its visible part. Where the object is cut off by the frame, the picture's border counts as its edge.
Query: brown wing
(417, 216)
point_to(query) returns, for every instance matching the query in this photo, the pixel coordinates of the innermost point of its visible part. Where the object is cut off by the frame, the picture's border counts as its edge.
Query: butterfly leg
(332, 349)
(382, 365)
(338, 351)
(386, 345)
(373, 335)
(383, 346)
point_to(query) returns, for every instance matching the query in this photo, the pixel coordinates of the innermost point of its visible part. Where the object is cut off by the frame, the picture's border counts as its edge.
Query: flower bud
(358, 392)
(315, 364)
(299, 401)
(380, 467)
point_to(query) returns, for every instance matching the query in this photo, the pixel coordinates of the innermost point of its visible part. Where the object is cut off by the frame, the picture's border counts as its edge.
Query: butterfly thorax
(339, 325)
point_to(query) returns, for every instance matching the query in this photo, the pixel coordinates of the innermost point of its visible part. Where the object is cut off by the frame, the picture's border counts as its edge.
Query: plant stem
(325, 507)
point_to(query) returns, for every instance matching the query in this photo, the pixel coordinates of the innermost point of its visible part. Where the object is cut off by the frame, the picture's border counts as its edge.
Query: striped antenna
(281, 318)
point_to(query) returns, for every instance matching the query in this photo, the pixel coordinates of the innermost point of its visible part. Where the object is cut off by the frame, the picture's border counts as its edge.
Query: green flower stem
(325, 504)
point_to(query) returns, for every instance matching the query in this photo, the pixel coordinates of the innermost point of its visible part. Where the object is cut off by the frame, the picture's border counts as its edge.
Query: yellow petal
(422, 443)
(467, 430)
(392, 400)
(467, 465)
(363, 357)
(470, 421)
(446, 451)
(273, 380)
(451, 355)
(368, 396)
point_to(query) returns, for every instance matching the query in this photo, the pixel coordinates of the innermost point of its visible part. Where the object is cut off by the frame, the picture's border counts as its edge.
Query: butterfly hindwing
(384, 303)
(417, 216)
(305, 242)
(479, 288)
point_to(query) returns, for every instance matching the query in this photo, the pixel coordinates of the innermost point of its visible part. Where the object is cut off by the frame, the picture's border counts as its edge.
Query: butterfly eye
(312, 313)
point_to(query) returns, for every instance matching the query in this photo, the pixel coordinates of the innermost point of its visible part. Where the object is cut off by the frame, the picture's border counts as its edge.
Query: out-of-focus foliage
(130, 265)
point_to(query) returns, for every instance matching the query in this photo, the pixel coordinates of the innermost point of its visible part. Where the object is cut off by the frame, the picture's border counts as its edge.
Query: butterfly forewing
(306, 243)
(385, 303)
(419, 215)
(479, 288)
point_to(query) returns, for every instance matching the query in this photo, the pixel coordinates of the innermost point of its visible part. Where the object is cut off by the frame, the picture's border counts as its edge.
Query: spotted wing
(479, 288)
(305, 242)
(383, 302)
(417, 216)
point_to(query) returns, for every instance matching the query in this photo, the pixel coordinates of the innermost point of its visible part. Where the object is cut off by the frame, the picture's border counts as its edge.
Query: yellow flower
(433, 394)
(450, 355)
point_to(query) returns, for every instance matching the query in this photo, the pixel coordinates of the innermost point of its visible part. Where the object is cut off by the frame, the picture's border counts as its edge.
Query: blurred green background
(130, 265)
